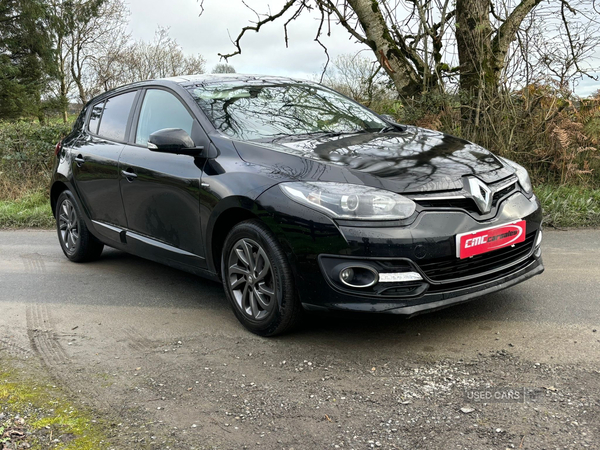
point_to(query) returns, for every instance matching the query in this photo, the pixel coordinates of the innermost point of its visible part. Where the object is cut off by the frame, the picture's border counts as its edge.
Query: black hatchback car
(294, 197)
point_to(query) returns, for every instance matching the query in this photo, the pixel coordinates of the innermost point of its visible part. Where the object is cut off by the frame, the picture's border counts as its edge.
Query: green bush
(26, 156)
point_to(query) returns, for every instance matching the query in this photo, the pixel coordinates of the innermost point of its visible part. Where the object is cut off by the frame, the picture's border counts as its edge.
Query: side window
(115, 115)
(161, 109)
(95, 117)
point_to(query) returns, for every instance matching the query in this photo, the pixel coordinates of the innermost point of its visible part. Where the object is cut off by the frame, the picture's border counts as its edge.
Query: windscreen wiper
(317, 133)
(338, 133)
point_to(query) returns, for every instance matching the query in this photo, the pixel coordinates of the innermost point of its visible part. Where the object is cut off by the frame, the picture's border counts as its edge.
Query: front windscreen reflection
(254, 112)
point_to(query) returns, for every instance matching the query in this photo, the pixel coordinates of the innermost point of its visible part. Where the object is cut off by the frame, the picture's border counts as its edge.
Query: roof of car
(192, 80)
(199, 80)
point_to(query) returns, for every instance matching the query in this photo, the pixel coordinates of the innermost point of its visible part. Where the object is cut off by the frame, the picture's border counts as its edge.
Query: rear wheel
(76, 241)
(258, 280)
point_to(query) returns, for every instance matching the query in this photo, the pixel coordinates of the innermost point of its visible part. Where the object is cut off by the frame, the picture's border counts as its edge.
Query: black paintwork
(177, 208)
(405, 161)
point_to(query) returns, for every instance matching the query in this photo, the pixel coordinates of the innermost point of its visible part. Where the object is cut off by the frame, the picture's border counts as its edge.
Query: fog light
(399, 277)
(347, 275)
(538, 241)
(358, 276)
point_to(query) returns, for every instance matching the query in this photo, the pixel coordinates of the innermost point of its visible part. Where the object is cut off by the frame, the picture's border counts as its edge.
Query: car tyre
(75, 239)
(258, 281)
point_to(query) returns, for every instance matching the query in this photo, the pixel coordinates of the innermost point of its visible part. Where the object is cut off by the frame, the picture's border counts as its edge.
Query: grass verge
(32, 210)
(37, 415)
(567, 206)
(564, 207)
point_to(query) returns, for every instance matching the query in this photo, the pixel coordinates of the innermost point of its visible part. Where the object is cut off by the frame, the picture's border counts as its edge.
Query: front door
(161, 191)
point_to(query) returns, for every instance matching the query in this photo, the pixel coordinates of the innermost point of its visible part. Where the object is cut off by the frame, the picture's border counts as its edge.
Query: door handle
(129, 174)
(79, 160)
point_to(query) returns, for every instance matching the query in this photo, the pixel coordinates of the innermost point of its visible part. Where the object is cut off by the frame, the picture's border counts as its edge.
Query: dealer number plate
(489, 239)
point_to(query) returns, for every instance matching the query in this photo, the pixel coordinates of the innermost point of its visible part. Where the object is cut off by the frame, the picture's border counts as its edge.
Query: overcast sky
(263, 52)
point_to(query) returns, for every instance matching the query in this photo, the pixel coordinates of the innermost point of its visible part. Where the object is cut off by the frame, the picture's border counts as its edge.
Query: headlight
(522, 175)
(350, 201)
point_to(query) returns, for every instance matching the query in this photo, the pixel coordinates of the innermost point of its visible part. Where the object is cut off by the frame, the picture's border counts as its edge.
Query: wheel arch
(58, 187)
(221, 227)
(228, 213)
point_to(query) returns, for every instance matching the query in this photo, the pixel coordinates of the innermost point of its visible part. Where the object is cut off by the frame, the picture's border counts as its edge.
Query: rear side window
(115, 116)
(161, 109)
(95, 117)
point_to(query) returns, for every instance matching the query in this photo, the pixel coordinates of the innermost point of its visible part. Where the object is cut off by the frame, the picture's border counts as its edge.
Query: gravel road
(158, 354)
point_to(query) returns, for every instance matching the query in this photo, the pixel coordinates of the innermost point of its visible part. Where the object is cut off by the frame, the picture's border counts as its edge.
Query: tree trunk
(77, 69)
(406, 80)
(481, 53)
(64, 99)
(80, 89)
(478, 79)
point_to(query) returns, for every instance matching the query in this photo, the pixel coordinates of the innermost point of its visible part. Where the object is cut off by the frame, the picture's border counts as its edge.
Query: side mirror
(173, 140)
(392, 124)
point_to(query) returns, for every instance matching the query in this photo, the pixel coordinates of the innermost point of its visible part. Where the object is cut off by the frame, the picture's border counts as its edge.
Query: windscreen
(256, 112)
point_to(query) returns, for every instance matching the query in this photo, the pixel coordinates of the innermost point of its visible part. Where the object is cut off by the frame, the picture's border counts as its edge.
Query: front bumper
(426, 246)
(430, 301)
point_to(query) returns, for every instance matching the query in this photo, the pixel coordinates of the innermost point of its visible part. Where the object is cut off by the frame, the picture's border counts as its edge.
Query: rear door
(96, 159)
(161, 191)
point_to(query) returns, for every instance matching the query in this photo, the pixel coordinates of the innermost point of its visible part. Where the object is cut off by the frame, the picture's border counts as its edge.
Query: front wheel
(258, 281)
(76, 241)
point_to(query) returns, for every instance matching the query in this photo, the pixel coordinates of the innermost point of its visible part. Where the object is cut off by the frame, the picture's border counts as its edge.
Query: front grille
(460, 202)
(467, 204)
(502, 192)
(446, 287)
(451, 268)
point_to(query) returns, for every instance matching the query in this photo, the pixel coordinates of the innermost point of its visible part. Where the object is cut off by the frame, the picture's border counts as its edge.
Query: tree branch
(257, 27)
(294, 17)
(508, 30)
(342, 19)
(574, 53)
(318, 40)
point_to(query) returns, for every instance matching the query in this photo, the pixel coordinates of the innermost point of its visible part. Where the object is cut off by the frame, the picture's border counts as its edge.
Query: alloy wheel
(251, 279)
(68, 225)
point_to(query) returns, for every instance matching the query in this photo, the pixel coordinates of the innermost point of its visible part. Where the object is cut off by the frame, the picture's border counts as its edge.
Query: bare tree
(59, 25)
(161, 58)
(405, 45)
(559, 45)
(93, 35)
(82, 28)
(223, 68)
(421, 44)
(357, 77)
(124, 62)
(110, 68)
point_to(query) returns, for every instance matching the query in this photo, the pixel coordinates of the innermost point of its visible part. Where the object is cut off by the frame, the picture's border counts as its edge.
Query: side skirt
(152, 249)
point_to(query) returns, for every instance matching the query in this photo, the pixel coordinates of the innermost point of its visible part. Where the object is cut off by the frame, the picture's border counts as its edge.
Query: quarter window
(114, 118)
(95, 117)
(161, 109)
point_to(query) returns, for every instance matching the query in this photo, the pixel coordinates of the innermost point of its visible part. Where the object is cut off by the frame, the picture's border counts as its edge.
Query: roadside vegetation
(570, 206)
(505, 82)
(26, 158)
(552, 133)
(31, 210)
(555, 137)
(35, 414)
